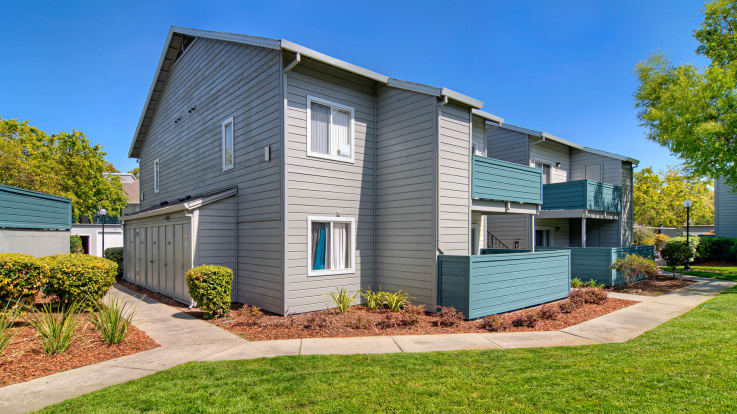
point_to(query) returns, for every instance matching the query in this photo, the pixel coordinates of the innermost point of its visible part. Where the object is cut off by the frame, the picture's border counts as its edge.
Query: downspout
(294, 63)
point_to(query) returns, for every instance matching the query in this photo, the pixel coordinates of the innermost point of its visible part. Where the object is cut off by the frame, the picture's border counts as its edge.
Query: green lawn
(719, 272)
(688, 364)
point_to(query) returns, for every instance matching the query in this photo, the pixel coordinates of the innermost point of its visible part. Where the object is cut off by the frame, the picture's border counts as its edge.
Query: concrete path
(182, 339)
(186, 339)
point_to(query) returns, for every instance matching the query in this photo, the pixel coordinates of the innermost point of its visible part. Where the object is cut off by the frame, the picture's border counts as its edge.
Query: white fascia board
(321, 57)
(489, 117)
(610, 155)
(459, 97)
(414, 87)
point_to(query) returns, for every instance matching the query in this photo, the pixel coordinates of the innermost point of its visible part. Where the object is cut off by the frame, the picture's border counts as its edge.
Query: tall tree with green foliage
(658, 198)
(63, 164)
(692, 111)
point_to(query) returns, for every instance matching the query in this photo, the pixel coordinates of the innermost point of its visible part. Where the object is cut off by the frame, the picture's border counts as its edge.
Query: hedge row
(69, 277)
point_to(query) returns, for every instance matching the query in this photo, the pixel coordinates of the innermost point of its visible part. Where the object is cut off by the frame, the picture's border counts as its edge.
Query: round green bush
(116, 255)
(21, 278)
(209, 286)
(79, 277)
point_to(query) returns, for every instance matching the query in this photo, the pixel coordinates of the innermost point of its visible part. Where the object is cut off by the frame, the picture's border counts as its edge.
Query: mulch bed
(254, 325)
(23, 359)
(653, 286)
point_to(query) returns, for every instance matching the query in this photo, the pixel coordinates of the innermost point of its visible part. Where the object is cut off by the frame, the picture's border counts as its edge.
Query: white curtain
(340, 133)
(320, 119)
(339, 246)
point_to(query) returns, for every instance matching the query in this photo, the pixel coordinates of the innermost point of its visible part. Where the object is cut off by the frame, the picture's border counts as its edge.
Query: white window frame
(535, 160)
(351, 131)
(331, 220)
(157, 174)
(222, 133)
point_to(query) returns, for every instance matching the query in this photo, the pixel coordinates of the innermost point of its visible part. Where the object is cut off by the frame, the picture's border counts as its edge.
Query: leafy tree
(64, 164)
(658, 198)
(693, 112)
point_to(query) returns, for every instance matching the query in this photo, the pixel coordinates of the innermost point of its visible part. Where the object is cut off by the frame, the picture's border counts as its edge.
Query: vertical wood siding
(454, 173)
(725, 210)
(222, 79)
(321, 187)
(405, 212)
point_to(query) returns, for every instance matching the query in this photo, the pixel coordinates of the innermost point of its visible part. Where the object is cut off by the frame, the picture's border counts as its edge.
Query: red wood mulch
(653, 286)
(23, 359)
(253, 325)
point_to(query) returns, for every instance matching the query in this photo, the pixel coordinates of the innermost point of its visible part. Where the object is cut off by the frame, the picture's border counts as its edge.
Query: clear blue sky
(564, 67)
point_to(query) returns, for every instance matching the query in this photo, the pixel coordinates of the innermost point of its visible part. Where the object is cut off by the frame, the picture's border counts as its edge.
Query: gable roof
(178, 37)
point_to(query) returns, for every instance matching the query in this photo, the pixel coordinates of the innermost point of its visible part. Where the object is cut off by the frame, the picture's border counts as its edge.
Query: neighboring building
(90, 231)
(725, 210)
(587, 193)
(34, 223)
(304, 173)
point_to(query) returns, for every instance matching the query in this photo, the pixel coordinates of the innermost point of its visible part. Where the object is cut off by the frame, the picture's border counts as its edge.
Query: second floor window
(156, 175)
(228, 154)
(329, 130)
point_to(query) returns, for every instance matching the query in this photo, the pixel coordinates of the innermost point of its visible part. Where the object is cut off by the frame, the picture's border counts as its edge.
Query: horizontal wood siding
(321, 187)
(506, 145)
(582, 194)
(25, 209)
(405, 212)
(222, 80)
(506, 181)
(454, 174)
(505, 282)
(552, 152)
(725, 210)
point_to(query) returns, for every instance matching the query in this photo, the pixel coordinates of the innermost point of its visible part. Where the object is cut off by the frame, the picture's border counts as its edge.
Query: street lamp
(102, 213)
(688, 204)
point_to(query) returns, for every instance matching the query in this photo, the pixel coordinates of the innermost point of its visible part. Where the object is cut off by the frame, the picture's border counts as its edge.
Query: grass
(686, 365)
(719, 272)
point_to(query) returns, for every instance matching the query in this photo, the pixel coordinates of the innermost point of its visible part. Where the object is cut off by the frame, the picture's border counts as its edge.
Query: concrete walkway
(184, 339)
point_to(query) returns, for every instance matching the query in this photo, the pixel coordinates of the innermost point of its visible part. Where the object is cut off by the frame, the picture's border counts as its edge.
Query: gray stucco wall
(38, 243)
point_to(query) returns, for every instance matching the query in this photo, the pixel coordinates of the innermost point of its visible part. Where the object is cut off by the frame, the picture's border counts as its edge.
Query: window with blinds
(329, 130)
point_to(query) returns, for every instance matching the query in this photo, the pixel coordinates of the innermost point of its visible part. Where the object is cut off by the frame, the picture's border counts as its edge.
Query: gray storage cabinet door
(160, 255)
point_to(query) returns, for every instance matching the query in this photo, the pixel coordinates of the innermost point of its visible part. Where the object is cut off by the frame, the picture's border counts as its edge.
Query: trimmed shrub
(21, 278)
(75, 244)
(209, 286)
(642, 236)
(116, 255)
(494, 323)
(79, 277)
(634, 267)
(447, 316)
(676, 252)
(714, 248)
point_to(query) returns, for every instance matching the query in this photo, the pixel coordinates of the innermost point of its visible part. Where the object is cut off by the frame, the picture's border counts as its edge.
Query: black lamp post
(102, 213)
(688, 204)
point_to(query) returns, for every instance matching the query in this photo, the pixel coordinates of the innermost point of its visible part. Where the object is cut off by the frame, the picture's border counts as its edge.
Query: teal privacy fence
(25, 209)
(595, 262)
(493, 283)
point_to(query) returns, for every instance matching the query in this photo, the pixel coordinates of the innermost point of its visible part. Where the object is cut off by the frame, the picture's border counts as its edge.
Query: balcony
(498, 180)
(582, 195)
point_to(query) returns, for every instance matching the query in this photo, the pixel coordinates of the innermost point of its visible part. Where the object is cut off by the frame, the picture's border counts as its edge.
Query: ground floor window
(331, 245)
